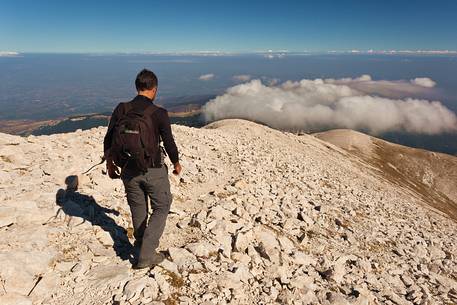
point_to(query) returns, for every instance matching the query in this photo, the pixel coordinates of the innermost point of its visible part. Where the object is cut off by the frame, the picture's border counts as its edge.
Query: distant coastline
(191, 117)
(184, 110)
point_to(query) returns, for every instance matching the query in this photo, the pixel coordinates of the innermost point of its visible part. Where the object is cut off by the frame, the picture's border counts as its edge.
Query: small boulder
(134, 287)
(202, 248)
(301, 258)
(184, 259)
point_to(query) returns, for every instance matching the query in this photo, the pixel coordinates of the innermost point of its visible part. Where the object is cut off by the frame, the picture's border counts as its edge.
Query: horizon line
(268, 53)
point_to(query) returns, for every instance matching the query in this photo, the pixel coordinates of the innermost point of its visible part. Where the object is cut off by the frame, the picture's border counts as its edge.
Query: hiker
(132, 144)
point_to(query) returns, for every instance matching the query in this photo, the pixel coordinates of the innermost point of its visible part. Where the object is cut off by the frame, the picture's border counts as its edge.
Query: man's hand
(112, 169)
(177, 169)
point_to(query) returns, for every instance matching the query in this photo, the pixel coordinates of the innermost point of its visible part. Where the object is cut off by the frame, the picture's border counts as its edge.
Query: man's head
(146, 83)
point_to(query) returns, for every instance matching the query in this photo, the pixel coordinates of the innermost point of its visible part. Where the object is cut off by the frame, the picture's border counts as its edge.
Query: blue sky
(231, 26)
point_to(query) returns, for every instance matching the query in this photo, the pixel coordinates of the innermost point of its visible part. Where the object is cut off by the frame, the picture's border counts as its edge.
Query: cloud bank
(206, 76)
(387, 88)
(319, 104)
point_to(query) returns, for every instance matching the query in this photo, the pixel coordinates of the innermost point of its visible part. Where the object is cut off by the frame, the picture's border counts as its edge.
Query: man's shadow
(73, 203)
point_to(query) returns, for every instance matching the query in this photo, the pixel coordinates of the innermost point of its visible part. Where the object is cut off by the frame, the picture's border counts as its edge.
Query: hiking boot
(156, 258)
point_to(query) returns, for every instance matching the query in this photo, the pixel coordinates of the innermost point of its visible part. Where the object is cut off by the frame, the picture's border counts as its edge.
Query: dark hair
(145, 80)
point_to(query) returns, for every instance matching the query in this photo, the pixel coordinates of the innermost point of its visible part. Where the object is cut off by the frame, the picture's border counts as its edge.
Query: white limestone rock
(107, 273)
(15, 299)
(134, 287)
(7, 216)
(184, 259)
(243, 240)
(22, 270)
(229, 280)
(301, 258)
(202, 249)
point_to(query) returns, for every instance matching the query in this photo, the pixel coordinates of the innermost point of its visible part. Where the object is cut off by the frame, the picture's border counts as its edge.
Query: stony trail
(259, 216)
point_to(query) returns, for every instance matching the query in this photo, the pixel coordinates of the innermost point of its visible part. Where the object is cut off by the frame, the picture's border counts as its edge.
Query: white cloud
(424, 82)
(270, 54)
(320, 104)
(393, 52)
(387, 88)
(274, 55)
(242, 77)
(208, 76)
(8, 54)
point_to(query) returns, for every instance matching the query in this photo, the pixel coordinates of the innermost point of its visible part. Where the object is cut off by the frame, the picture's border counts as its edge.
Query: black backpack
(134, 141)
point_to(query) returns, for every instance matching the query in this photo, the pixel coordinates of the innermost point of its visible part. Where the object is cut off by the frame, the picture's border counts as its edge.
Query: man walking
(132, 143)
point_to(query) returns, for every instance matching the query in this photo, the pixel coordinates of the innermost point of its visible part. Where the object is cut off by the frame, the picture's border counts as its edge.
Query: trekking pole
(93, 166)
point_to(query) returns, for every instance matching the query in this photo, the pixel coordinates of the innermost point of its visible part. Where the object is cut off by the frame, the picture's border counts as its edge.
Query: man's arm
(168, 140)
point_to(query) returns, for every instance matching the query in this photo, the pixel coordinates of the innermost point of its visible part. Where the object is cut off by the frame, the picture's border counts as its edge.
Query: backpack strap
(127, 107)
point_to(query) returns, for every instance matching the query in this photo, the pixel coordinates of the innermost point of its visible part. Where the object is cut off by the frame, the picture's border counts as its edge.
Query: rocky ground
(259, 217)
(431, 175)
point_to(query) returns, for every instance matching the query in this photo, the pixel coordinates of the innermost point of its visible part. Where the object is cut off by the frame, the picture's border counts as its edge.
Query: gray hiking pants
(155, 185)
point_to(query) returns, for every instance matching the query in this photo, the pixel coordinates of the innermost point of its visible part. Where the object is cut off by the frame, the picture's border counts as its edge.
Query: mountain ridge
(432, 175)
(258, 216)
